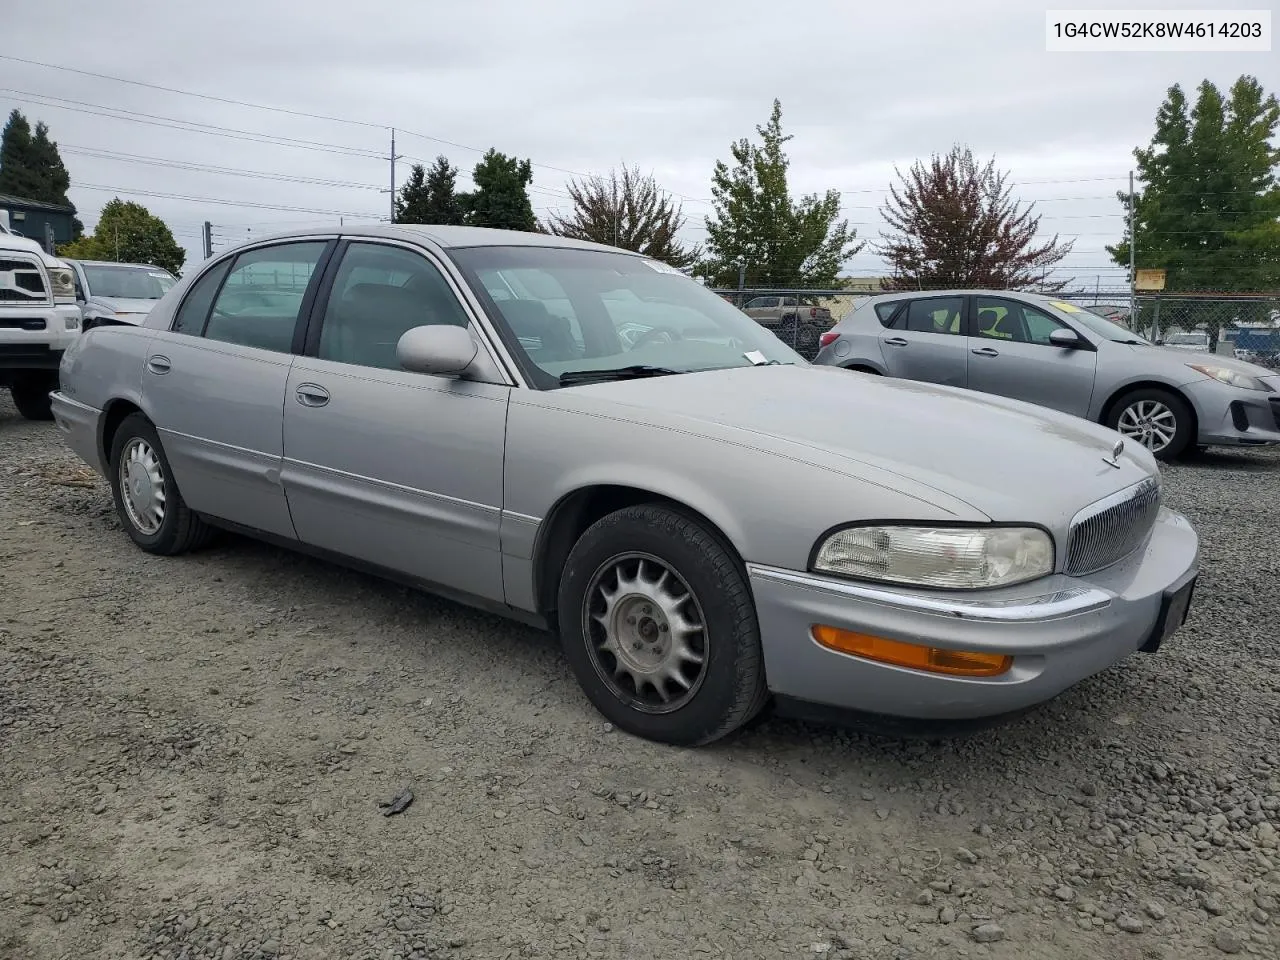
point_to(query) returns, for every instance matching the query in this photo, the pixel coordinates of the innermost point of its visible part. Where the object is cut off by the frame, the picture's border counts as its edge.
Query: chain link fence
(1246, 326)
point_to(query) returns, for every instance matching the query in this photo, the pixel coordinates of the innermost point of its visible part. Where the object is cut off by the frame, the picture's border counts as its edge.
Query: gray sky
(582, 86)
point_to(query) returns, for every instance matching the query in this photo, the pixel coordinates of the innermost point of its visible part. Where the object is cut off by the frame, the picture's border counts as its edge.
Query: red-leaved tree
(953, 224)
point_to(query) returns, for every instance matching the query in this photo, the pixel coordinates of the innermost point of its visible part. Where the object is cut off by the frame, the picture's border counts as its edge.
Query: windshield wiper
(634, 372)
(1133, 343)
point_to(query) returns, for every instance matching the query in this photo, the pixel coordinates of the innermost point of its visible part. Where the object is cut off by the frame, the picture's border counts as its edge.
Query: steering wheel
(670, 333)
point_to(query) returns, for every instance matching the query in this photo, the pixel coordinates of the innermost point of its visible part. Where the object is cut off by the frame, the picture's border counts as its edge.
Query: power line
(229, 203)
(103, 154)
(173, 123)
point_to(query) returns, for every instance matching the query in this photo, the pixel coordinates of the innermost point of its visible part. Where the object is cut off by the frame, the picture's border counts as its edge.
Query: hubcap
(646, 633)
(1149, 422)
(142, 488)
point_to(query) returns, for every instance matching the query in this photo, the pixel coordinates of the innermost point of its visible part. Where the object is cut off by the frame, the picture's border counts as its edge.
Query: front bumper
(34, 338)
(1059, 631)
(1232, 416)
(79, 424)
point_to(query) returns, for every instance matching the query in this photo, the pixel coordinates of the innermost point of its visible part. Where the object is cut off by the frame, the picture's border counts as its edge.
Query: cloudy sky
(578, 87)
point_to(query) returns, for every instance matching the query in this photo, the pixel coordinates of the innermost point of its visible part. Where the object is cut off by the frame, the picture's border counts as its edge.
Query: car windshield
(1109, 329)
(565, 311)
(127, 282)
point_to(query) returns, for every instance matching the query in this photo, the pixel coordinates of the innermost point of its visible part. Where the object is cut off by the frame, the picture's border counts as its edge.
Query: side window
(935, 315)
(259, 303)
(379, 293)
(885, 312)
(1039, 325)
(762, 303)
(1013, 321)
(789, 301)
(194, 310)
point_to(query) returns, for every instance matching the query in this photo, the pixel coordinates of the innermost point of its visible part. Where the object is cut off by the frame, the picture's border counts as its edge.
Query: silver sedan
(690, 505)
(1052, 353)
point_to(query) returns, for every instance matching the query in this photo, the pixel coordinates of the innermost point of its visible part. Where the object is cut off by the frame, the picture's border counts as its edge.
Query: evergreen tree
(411, 204)
(31, 167)
(954, 224)
(443, 204)
(781, 242)
(501, 197)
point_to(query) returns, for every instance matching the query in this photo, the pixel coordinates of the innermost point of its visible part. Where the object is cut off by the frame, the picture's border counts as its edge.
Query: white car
(39, 318)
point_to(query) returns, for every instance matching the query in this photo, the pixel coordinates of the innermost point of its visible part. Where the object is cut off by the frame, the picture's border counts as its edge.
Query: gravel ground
(193, 752)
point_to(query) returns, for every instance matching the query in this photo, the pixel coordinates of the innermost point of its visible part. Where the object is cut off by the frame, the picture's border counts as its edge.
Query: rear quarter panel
(105, 364)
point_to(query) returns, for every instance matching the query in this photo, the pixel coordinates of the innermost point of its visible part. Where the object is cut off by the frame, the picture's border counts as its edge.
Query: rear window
(886, 311)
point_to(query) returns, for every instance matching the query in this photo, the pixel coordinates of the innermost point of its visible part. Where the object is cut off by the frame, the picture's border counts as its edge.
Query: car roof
(114, 263)
(957, 292)
(449, 237)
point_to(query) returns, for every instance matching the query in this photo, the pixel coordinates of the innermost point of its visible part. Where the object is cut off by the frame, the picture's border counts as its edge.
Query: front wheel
(659, 627)
(31, 395)
(1158, 419)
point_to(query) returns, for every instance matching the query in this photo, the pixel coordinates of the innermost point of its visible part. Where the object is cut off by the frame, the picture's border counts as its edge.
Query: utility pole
(394, 158)
(208, 239)
(116, 228)
(1133, 251)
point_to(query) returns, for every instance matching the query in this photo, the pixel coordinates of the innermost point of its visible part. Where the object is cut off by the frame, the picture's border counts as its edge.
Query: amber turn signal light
(956, 663)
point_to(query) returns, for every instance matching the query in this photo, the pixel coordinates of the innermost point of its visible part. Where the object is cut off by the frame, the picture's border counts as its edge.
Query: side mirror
(1063, 337)
(444, 350)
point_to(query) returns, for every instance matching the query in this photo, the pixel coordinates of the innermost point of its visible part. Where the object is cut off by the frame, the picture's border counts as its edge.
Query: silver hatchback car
(584, 438)
(1053, 353)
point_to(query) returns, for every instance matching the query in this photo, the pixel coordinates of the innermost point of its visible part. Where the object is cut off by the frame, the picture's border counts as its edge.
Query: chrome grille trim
(22, 280)
(1106, 532)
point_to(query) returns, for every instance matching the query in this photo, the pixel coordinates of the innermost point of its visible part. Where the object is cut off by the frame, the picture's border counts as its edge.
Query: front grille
(1108, 531)
(22, 323)
(21, 281)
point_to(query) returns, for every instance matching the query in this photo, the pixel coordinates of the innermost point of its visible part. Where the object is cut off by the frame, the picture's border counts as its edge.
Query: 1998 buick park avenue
(584, 438)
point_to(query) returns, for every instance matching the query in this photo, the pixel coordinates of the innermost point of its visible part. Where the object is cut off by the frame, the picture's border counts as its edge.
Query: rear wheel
(147, 499)
(659, 627)
(30, 394)
(1158, 419)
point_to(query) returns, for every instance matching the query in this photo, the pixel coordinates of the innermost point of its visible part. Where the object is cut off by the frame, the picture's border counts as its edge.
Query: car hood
(1179, 357)
(123, 304)
(1009, 460)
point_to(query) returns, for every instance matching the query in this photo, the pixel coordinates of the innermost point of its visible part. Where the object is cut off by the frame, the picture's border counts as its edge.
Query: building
(39, 221)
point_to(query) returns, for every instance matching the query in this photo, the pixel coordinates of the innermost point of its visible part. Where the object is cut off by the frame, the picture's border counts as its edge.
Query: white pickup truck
(39, 317)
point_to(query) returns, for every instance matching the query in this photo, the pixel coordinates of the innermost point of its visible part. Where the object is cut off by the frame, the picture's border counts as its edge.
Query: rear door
(1011, 356)
(926, 341)
(214, 385)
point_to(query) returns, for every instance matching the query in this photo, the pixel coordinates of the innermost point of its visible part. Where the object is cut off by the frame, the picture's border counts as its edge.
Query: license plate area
(1174, 607)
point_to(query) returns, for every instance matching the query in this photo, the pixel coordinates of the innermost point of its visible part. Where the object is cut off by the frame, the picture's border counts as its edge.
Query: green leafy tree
(1206, 211)
(779, 241)
(501, 197)
(953, 223)
(629, 211)
(431, 196)
(128, 233)
(32, 168)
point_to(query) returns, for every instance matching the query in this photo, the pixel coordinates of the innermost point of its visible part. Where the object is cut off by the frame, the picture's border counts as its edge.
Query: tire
(1129, 413)
(31, 395)
(179, 530)
(613, 571)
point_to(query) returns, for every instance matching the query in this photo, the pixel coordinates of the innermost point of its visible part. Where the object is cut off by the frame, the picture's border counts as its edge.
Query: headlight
(954, 558)
(64, 284)
(1225, 375)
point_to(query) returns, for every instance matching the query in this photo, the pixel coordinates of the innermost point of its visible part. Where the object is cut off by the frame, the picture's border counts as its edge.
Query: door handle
(311, 395)
(987, 352)
(158, 364)
(896, 342)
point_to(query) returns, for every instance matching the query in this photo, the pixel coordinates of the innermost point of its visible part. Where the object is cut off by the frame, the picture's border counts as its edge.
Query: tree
(954, 224)
(430, 196)
(32, 168)
(128, 233)
(501, 197)
(631, 212)
(1206, 211)
(779, 242)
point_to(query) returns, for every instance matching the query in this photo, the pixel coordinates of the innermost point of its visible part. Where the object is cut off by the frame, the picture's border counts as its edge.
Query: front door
(1011, 356)
(927, 342)
(214, 385)
(399, 469)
